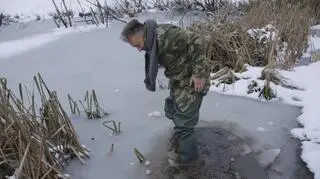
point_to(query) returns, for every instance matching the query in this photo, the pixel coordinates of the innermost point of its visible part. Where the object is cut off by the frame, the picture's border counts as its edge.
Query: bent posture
(183, 55)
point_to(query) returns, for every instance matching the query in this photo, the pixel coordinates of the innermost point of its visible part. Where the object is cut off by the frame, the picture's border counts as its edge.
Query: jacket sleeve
(197, 53)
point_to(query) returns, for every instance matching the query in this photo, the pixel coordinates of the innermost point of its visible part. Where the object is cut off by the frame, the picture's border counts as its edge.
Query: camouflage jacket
(183, 54)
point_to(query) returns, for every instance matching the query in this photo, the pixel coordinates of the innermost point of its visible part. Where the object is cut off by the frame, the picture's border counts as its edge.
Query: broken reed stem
(115, 129)
(93, 109)
(18, 171)
(111, 149)
(73, 106)
(139, 155)
(59, 14)
(107, 8)
(95, 100)
(67, 13)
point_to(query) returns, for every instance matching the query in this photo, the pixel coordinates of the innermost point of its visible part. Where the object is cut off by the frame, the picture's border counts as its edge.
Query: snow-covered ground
(15, 47)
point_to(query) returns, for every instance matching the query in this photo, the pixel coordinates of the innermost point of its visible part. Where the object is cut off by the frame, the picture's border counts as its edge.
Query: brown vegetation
(35, 143)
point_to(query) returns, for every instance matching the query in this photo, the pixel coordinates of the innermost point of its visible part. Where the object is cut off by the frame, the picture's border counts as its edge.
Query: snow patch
(311, 155)
(11, 177)
(14, 47)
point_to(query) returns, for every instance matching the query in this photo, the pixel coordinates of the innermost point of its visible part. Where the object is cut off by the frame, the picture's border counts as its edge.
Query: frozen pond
(99, 60)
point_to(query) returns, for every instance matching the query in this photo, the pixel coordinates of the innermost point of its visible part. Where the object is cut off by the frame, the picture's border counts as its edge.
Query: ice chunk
(261, 129)
(147, 163)
(267, 157)
(148, 172)
(154, 114)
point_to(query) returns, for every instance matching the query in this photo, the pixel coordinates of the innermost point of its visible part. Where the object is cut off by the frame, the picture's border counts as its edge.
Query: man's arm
(197, 52)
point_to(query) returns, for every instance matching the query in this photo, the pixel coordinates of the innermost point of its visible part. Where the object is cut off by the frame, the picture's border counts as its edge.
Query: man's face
(136, 41)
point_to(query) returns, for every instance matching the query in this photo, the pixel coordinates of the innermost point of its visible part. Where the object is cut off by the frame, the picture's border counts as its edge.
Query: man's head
(133, 33)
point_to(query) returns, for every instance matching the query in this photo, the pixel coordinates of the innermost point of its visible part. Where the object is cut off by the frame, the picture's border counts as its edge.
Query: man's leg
(169, 113)
(185, 121)
(169, 106)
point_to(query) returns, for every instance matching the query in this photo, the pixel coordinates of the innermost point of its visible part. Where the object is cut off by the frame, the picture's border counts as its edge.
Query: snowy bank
(14, 47)
(307, 96)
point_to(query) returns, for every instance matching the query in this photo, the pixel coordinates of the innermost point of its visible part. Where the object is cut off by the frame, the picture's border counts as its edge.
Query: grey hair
(131, 28)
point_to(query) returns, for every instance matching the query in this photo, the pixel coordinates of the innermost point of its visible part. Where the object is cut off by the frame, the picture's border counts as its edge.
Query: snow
(311, 155)
(14, 47)
(11, 177)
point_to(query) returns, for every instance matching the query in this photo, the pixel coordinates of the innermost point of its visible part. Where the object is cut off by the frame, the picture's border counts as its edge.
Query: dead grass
(35, 143)
(270, 34)
(230, 45)
(292, 22)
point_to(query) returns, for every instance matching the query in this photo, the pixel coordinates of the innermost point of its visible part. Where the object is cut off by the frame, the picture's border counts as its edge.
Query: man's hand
(198, 83)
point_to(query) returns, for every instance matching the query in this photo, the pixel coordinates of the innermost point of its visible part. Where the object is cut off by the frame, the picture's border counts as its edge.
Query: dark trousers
(184, 125)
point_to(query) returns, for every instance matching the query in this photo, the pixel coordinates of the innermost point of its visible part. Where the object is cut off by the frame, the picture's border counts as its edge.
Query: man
(183, 55)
